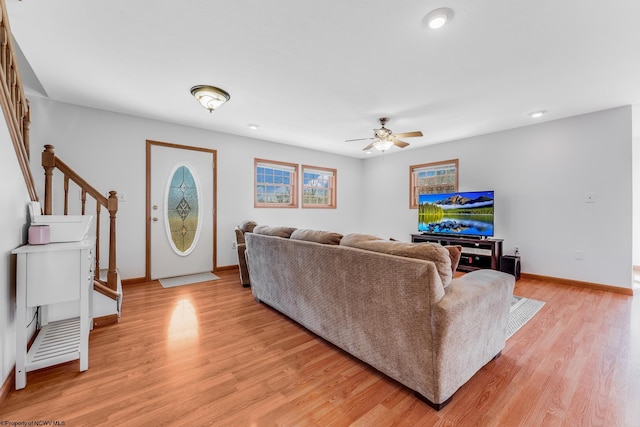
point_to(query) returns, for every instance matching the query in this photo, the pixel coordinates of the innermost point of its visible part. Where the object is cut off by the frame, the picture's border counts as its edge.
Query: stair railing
(50, 162)
(15, 106)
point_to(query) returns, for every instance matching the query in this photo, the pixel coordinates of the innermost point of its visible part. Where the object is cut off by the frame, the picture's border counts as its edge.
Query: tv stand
(476, 253)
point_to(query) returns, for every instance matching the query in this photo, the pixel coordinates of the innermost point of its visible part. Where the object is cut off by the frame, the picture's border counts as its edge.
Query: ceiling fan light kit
(210, 97)
(382, 145)
(437, 18)
(384, 138)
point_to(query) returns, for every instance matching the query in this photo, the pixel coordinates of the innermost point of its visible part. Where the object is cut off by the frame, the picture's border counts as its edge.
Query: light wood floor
(208, 354)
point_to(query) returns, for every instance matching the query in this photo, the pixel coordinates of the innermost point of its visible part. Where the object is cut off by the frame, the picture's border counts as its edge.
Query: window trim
(413, 199)
(293, 185)
(333, 187)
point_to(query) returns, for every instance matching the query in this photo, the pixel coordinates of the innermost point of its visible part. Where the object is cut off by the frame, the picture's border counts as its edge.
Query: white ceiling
(314, 74)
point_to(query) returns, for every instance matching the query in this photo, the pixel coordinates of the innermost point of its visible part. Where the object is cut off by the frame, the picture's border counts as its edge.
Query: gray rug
(522, 310)
(171, 282)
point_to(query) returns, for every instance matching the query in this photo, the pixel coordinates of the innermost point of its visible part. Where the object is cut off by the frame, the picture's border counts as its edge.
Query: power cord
(36, 317)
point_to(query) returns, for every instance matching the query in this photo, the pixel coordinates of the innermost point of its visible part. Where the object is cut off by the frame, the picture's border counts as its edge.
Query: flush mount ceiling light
(210, 97)
(253, 126)
(437, 18)
(537, 114)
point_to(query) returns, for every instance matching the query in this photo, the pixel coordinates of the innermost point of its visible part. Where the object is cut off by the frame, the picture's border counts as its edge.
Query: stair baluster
(50, 162)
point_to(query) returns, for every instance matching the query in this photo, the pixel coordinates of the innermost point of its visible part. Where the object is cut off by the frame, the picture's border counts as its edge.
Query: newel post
(49, 164)
(112, 274)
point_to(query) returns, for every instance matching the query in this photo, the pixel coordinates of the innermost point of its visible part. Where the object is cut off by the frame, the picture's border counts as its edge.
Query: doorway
(180, 210)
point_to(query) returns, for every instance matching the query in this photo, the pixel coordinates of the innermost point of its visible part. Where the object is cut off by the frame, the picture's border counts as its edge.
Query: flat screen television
(464, 214)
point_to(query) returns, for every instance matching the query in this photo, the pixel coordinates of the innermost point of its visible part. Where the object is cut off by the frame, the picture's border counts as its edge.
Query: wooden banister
(50, 162)
(15, 106)
(98, 286)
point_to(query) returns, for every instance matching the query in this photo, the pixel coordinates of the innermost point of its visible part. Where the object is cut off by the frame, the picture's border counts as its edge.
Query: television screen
(465, 213)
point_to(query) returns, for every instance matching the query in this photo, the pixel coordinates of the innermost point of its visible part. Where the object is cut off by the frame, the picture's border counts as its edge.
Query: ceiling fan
(384, 138)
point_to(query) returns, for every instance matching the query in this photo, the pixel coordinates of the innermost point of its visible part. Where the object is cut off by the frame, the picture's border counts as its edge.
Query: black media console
(476, 253)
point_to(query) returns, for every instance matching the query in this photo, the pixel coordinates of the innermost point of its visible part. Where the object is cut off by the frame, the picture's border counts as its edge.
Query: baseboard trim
(105, 320)
(7, 386)
(133, 281)
(226, 268)
(588, 285)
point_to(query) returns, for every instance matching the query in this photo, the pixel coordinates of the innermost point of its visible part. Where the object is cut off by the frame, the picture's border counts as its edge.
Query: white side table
(50, 274)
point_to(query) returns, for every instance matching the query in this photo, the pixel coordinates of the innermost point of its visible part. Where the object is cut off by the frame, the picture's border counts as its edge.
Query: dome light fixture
(210, 97)
(437, 18)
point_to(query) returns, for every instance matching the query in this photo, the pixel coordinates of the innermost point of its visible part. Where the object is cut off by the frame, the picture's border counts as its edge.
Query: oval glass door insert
(183, 213)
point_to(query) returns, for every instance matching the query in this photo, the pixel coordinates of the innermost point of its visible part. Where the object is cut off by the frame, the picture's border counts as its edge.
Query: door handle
(155, 218)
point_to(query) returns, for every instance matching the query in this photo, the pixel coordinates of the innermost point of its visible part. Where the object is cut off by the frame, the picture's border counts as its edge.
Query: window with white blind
(275, 184)
(318, 187)
(432, 178)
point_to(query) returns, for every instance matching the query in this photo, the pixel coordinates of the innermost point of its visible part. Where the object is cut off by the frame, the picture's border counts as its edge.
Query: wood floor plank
(209, 354)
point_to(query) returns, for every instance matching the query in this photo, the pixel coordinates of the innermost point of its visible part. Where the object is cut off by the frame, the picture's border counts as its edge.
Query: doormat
(522, 310)
(172, 282)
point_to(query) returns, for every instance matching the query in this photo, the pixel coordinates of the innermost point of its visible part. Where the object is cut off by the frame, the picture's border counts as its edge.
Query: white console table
(50, 274)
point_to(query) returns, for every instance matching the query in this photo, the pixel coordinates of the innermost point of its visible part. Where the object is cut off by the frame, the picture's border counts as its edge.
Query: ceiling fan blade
(399, 143)
(359, 139)
(407, 134)
(368, 147)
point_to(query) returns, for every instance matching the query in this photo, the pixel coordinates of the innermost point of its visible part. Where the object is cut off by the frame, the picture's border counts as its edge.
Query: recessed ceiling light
(437, 18)
(253, 126)
(537, 114)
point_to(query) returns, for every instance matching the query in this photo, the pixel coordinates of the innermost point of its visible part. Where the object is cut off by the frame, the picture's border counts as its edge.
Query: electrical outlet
(234, 245)
(579, 254)
(517, 250)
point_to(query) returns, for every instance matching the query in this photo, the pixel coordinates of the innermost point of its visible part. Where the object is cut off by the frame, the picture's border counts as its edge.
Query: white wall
(540, 175)
(108, 149)
(635, 132)
(13, 206)
(636, 200)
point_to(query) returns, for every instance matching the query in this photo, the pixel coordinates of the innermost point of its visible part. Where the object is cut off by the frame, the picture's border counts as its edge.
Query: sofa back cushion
(318, 236)
(455, 252)
(355, 238)
(284, 232)
(438, 254)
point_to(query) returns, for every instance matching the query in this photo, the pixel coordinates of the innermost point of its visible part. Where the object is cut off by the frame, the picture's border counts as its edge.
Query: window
(431, 178)
(275, 185)
(318, 187)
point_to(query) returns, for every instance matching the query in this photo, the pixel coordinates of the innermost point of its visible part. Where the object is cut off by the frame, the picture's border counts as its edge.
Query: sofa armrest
(469, 325)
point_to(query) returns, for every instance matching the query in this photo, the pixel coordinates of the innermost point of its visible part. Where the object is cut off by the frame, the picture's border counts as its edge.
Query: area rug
(171, 282)
(522, 310)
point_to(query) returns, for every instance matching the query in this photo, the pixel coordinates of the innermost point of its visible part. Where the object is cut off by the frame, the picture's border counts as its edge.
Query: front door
(180, 210)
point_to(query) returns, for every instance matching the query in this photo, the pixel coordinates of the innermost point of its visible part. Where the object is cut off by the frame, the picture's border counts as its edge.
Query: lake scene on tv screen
(462, 213)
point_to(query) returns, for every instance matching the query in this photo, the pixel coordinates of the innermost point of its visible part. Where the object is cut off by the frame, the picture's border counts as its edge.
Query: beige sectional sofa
(393, 305)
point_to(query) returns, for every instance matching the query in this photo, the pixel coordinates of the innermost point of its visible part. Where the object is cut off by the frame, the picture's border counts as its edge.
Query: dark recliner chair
(244, 227)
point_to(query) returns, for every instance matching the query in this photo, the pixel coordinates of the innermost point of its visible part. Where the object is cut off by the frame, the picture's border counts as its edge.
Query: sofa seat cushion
(438, 254)
(284, 232)
(317, 236)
